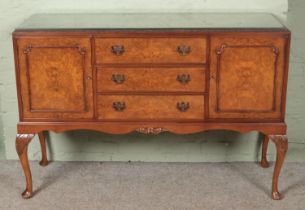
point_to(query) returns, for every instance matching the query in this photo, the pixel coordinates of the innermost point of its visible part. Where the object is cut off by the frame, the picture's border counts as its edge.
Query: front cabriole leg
(281, 143)
(22, 142)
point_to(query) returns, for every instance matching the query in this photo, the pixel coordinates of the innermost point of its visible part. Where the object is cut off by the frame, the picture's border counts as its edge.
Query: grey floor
(146, 186)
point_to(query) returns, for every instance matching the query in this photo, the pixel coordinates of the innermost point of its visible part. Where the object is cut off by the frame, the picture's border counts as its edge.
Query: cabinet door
(54, 78)
(247, 77)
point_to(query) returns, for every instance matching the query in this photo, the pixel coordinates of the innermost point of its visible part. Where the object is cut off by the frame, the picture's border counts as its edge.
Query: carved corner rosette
(22, 140)
(27, 49)
(220, 50)
(151, 130)
(275, 50)
(81, 50)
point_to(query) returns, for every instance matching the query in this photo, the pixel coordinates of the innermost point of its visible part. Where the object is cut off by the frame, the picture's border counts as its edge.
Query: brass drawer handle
(183, 106)
(184, 50)
(119, 106)
(117, 49)
(118, 78)
(184, 78)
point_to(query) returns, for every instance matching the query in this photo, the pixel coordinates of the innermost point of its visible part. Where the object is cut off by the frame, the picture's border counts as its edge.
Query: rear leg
(264, 161)
(42, 139)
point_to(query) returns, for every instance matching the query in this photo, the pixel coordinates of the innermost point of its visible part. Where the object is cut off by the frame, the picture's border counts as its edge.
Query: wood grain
(177, 126)
(151, 79)
(54, 76)
(150, 50)
(233, 80)
(246, 77)
(140, 107)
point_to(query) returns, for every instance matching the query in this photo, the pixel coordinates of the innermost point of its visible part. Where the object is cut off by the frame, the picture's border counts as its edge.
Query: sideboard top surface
(152, 21)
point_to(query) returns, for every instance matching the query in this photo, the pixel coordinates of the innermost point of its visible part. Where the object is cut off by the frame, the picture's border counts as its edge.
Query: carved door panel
(246, 77)
(55, 78)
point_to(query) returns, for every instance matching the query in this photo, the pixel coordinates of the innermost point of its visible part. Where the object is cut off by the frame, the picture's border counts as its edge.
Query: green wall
(295, 115)
(2, 147)
(209, 146)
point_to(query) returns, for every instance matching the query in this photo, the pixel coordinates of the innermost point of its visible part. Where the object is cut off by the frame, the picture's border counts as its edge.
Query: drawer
(146, 107)
(150, 50)
(151, 79)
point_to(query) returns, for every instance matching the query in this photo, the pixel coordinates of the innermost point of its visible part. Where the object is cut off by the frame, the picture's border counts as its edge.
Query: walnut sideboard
(151, 73)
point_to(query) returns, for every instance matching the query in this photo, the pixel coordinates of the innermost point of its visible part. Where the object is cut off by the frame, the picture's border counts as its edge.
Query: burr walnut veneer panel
(152, 80)
(151, 50)
(147, 107)
(55, 78)
(247, 77)
(175, 79)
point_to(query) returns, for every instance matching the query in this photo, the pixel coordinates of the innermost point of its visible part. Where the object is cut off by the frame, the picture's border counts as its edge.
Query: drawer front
(150, 50)
(145, 107)
(151, 79)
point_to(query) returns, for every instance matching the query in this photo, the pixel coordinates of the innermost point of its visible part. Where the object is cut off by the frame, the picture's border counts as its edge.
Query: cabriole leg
(281, 143)
(264, 161)
(42, 139)
(22, 142)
